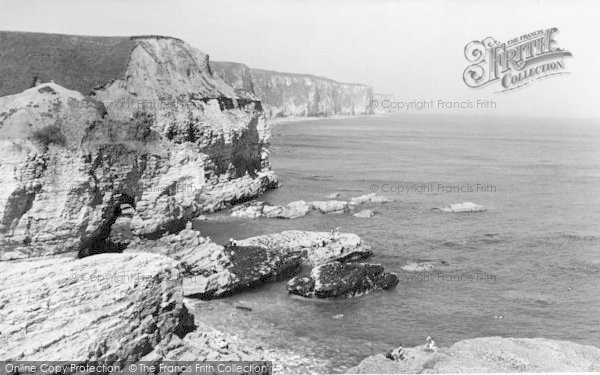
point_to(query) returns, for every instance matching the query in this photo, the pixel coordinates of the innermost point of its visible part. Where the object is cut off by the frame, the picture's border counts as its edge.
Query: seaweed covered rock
(339, 279)
(239, 268)
(210, 270)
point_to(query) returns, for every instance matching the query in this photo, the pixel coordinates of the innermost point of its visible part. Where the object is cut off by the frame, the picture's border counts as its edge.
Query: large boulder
(154, 130)
(330, 206)
(105, 308)
(339, 279)
(489, 355)
(316, 247)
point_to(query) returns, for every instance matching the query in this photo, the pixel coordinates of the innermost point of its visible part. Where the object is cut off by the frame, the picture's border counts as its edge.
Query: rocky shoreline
(104, 167)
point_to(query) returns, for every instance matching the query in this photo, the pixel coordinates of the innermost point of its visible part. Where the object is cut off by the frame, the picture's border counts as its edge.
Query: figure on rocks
(232, 242)
(336, 234)
(396, 354)
(430, 345)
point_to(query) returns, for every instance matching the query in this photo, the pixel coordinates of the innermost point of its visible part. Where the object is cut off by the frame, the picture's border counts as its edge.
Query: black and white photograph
(259, 187)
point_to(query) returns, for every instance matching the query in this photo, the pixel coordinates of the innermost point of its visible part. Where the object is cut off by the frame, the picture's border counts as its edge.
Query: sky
(411, 49)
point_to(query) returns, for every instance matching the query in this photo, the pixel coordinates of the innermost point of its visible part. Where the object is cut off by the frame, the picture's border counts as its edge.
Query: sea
(529, 266)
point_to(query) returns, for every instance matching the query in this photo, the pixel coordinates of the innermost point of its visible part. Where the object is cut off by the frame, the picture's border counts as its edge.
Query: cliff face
(288, 94)
(158, 137)
(383, 103)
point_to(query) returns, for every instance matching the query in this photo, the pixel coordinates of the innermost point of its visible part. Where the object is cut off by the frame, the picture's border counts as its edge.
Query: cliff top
(300, 75)
(76, 62)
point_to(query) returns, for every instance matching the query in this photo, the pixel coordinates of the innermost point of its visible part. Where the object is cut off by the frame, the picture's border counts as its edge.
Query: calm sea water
(532, 259)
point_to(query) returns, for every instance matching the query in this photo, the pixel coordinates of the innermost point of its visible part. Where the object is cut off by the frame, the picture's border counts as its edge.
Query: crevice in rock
(186, 323)
(99, 241)
(19, 202)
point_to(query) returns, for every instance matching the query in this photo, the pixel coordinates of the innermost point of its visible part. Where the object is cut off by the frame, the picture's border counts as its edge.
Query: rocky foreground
(110, 307)
(489, 354)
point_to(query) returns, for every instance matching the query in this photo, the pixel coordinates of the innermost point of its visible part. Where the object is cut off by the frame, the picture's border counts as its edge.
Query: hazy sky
(412, 49)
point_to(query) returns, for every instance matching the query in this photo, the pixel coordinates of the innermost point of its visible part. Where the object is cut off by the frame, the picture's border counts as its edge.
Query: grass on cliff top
(76, 62)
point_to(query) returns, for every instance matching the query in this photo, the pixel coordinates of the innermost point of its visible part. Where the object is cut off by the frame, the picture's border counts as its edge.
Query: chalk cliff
(93, 127)
(289, 94)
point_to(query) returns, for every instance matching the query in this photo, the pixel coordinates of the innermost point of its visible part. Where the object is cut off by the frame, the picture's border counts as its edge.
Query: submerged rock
(462, 207)
(103, 308)
(489, 355)
(335, 195)
(316, 247)
(339, 279)
(370, 198)
(419, 266)
(332, 206)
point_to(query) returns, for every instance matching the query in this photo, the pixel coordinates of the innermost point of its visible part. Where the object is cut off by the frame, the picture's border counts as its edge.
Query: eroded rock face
(337, 279)
(317, 247)
(489, 355)
(289, 94)
(162, 135)
(103, 308)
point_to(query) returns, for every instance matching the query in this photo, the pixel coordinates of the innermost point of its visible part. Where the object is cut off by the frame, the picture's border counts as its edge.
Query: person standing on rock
(336, 234)
(430, 345)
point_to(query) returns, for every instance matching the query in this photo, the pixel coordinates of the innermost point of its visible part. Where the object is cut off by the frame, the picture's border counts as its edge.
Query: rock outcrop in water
(317, 247)
(148, 127)
(337, 279)
(256, 209)
(289, 94)
(462, 207)
(211, 271)
(489, 354)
